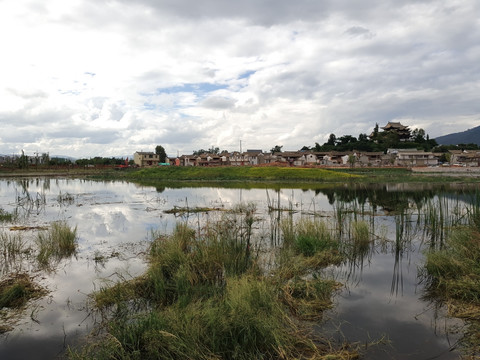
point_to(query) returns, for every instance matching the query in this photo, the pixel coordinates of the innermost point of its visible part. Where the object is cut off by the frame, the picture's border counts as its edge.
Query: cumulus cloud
(95, 78)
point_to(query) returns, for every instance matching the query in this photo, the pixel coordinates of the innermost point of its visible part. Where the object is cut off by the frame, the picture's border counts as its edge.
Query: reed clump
(56, 243)
(11, 246)
(309, 237)
(6, 216)
(453, 275)
(205, 296)
(455, 270)
(16, 290)
(361, 234)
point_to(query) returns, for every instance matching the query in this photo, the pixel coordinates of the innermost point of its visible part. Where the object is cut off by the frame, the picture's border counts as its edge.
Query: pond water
(381, 301)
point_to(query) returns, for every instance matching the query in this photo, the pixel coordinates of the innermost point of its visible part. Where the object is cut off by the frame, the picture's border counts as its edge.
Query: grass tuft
(453, 275)
(5, 216)
(56, 243)
(17, 290)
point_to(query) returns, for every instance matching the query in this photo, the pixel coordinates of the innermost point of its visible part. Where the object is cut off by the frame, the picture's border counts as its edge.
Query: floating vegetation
(59, 241)
(65, 198)
(25, 228)
(178, 210)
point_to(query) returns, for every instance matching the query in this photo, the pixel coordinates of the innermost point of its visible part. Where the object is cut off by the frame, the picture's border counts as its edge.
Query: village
(395, 156)
(401, 152)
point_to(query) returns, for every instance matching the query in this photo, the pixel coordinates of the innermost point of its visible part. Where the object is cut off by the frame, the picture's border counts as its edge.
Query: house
(335, 158)
(370, 158)
(292, 158)
(415, 158)
(465, 158)
(144, 159)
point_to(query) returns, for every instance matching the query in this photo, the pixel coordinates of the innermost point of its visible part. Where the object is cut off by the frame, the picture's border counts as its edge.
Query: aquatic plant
(6, 216)
(452, 274)
(65, 198)
(11, 245)
(313, 236)
(361, 234)
(16, 290)
(205, 296)
(59, 241)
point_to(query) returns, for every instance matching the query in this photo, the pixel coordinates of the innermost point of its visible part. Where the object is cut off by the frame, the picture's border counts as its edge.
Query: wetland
(378, 300)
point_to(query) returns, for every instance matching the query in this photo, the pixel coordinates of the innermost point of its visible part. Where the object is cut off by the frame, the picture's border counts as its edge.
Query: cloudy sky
(110, 77)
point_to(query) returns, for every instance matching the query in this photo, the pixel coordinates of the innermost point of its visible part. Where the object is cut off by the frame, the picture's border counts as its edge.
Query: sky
(87, 78)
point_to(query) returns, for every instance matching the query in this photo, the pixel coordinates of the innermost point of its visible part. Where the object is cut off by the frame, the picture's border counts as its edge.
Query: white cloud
(98, 78)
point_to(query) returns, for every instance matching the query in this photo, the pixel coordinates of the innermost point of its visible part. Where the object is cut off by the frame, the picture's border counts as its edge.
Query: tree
(331, 140)
(351, 160)
(45, 158)
(159, 150)
(374, 136)
(346, 139)
(418, 135)
(199, 152)
(276, 148)
(23, 161)
(363, 137)
(214, 150)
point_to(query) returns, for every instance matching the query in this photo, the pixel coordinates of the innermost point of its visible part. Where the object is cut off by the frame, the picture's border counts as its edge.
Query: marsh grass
(455, 270)
(17, 290)
(308, 236)
(6, 216)
(308, 299)
(11, 246)
(361, 234)
(56, 243)
(205, 296)
(452, 274)
(65, 198)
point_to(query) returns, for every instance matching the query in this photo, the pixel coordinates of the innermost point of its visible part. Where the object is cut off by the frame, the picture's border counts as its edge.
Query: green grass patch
(241, 173)
(59, 241)
(455, 269)
(309, 236)
(5, 216)
(15, 291)
(452, 274)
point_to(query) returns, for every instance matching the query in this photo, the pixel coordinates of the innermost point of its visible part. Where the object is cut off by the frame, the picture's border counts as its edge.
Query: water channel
(382, 300)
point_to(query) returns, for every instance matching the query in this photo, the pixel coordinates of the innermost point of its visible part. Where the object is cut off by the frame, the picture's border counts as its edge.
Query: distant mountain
(63, 157)
(471, 136)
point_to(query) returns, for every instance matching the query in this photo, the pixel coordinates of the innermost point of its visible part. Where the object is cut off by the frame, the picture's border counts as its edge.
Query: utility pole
(240, 146)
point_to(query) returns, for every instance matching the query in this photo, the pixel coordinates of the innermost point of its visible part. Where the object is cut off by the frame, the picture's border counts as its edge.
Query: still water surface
(381, 297)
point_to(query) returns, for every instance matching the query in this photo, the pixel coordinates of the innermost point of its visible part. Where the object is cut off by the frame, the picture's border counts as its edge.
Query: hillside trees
(378, 141)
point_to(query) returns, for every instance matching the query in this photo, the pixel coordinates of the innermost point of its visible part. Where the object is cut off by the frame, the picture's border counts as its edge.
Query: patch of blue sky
(149, 106)
(247, 74)
(197, 88)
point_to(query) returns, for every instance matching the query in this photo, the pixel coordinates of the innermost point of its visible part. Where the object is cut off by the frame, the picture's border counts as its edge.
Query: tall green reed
(59, 241)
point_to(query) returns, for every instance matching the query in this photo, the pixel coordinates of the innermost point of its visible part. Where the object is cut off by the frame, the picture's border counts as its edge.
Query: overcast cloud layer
(103, 78)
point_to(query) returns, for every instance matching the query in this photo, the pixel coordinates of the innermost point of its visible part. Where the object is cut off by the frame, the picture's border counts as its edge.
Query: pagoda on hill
(402, 131)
